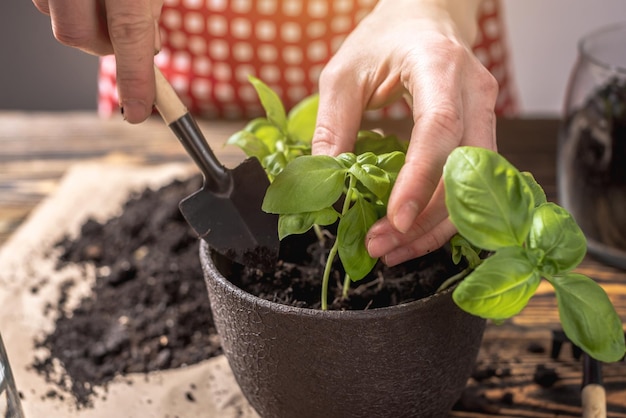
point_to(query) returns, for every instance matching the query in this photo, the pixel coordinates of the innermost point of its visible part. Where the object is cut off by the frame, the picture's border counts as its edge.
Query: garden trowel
(226, 212)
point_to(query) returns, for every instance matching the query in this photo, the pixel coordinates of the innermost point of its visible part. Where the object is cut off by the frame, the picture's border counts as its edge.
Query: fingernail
(157, 37)
(405, 217)
(134, 111)
(379, 245)
(394, 258)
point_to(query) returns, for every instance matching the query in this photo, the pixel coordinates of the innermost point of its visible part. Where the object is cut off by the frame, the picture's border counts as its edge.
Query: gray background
(36, 72)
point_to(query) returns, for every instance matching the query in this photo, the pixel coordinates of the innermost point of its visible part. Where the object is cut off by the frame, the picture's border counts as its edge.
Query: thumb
(132, 32)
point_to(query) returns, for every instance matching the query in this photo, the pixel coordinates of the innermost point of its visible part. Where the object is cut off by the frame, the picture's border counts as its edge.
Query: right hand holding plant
(419, 50)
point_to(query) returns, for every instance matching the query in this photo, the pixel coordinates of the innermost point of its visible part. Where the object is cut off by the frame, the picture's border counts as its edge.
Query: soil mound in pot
(301, 265)
(149, 308)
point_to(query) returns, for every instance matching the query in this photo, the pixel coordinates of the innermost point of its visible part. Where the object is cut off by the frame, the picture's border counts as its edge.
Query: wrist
(463, 14)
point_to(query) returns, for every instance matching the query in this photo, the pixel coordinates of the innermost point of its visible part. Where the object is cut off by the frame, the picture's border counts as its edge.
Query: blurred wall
(543, 35)
(37, 73)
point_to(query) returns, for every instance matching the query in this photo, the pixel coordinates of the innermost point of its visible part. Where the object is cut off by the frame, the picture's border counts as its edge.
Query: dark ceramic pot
(410, 360)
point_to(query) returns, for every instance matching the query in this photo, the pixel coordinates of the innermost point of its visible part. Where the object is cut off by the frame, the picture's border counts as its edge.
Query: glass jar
(591, 162)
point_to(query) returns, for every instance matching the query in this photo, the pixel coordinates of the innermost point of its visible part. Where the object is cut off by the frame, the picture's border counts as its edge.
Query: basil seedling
(497, 208)
(305, 193)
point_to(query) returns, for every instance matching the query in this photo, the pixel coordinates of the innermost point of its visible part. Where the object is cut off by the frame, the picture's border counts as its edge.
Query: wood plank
(36, 149)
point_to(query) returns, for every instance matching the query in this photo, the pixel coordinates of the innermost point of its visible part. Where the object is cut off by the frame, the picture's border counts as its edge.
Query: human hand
(128, 29)
(419, 49)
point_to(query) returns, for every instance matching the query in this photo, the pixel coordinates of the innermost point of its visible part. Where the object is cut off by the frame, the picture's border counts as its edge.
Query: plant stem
(346, 286)
(318, 233)
(326, 277)
(452, 280)
(335, 247)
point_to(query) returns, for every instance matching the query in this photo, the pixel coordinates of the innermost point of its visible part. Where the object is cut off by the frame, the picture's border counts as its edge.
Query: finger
(383, 238)
(132, 33)
(341, 105)
(457, 111)
(80, 24)
(433, 240)
(435, 88)
(42, 6)
(479, 104)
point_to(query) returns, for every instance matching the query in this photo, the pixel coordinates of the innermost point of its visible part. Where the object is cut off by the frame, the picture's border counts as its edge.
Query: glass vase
(591, 162)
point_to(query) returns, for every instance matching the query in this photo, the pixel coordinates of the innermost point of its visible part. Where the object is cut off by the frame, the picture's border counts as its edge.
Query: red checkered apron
(209, 47)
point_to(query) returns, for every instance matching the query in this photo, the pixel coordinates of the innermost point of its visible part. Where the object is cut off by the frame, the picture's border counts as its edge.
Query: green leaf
(366, 158)
(487, 198)
(301, 120)
(373, 178)
(299, 223)
(351, 231)
(371, 141)
(391, 162)
(308, 184)
(588, 317)
(556, 233)
(500, 287)
(347, 159)
(461, 248)
(250, 144)
(272, 104)
(539, 194)
(267, 132)
(274, 164)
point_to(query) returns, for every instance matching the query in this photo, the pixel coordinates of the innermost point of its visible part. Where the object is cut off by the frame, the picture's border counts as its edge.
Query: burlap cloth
(27, 262)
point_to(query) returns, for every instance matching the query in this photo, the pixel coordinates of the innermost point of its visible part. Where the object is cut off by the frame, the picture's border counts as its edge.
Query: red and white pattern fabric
(209, 47)
(492, 49)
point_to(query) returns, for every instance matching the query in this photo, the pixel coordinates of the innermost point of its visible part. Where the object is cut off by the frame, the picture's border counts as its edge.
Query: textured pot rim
(207, 263)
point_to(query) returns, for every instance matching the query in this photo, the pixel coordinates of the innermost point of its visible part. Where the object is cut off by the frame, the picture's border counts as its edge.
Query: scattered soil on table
(149, 308)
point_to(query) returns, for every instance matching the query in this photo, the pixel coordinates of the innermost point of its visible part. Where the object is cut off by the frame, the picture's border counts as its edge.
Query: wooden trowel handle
(169, 105)
(593, 394)
(593, 401)
(180, 121)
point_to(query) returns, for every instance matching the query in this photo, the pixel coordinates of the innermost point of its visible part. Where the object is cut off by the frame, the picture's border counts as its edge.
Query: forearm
(463, 13)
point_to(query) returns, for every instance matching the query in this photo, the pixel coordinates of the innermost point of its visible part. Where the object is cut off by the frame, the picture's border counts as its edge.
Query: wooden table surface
(37, 148)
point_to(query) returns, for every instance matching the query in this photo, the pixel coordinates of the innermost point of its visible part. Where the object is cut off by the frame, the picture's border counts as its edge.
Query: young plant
(280, 137)
(305, 193)
(497, 208)
(306, 189)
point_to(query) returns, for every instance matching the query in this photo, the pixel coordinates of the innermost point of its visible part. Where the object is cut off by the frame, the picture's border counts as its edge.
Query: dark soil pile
(149, 309)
